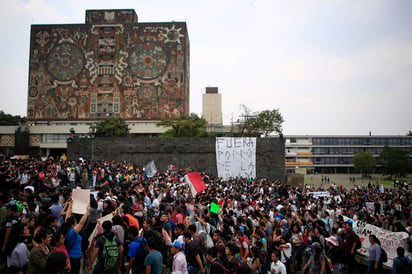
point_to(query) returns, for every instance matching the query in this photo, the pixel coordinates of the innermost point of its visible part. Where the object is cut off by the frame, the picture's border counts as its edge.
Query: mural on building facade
(110, 66)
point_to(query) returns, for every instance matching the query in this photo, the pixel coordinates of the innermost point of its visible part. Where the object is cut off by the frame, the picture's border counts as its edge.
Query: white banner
(390, 241)
(236, 157)
(318, 194)
(371, 207)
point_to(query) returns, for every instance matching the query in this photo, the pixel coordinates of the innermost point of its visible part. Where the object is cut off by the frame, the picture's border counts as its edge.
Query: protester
(277, 267)
(179, 258)
(335, 254)
(375, 253)
(316, 262)
(39, 253)
(100, 248)
(154, 260)
(401, 264)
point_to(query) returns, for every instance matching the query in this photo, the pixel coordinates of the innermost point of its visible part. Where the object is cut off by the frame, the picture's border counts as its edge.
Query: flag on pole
(150, 169)
(195, 182)
(214, 208)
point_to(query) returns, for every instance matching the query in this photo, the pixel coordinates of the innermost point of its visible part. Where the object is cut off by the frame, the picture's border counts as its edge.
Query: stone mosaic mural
(110, 66)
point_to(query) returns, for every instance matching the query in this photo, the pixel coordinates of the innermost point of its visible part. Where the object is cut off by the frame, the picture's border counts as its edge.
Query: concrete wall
(197, 153)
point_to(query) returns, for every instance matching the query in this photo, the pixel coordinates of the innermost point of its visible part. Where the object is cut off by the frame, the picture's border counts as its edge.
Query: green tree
(112, 127)
(364, 162)
(264, 122)
(11, 120)
(184, 126)
(394, 161)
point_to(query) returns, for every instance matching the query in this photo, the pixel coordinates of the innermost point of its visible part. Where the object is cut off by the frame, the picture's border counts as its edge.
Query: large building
(111, 66)
(334, 153)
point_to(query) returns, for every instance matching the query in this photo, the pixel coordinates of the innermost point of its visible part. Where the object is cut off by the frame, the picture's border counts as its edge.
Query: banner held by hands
(150, 169)
(195, 182)
(214, 208)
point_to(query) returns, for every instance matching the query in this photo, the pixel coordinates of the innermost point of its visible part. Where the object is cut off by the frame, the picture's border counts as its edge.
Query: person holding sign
(73, 238)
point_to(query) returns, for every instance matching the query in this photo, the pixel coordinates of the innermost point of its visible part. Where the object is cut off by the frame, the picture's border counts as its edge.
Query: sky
(333, 67)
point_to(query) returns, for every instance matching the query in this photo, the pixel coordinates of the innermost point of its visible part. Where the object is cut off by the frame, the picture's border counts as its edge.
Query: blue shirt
(137, 250)
(396, 267)
(56, 209)
(374, 252)
(74, 244)
(155, 260)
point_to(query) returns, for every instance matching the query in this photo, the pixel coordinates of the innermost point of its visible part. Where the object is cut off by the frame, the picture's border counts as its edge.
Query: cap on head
(176, 244)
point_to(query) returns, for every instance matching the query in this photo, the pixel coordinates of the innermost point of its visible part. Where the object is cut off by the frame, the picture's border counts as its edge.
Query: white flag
(150, 169)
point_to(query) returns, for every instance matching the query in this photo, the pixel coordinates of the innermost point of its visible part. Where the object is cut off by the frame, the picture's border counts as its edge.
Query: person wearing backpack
(375, 253)
(216, 265)
(233, 262)
(108, 251)
(192, 250)
(401, 264)
(137, 252)
(244, 245)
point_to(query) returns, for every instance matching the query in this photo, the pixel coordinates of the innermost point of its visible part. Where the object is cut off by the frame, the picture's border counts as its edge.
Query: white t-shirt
(287, 252)
(278, 267)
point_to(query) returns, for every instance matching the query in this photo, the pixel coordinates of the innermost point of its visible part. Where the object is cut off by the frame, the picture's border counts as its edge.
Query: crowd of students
(156, 224)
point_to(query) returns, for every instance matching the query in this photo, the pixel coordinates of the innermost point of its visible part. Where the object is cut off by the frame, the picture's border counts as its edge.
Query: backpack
(225, 270)
(404, 266)
(207, 241)
(110, 254)
(239, 261)
(384, 256)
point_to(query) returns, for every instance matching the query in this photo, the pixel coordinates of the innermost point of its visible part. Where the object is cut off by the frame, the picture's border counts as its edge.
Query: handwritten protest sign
(389, 240)
(236, 157)
(81, 199)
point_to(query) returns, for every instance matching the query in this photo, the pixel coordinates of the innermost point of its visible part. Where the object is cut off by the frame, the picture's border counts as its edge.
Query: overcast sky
(330, 67)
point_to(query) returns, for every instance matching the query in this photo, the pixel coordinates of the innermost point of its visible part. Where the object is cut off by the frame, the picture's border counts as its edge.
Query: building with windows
(333, 154)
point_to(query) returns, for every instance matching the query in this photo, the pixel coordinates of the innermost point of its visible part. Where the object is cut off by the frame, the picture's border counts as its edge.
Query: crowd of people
(135, 224)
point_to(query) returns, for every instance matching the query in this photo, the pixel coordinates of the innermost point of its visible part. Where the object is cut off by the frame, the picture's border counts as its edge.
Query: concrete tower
(212, 107)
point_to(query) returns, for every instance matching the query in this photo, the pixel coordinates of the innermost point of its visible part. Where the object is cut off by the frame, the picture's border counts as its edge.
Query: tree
(11, 120)
(395, 161)
(112, 127)
(184, 126)
(364, 162)
(264, 122)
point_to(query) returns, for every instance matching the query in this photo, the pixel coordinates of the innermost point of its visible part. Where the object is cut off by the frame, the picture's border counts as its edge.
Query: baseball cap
(136, 207)
(176, 244)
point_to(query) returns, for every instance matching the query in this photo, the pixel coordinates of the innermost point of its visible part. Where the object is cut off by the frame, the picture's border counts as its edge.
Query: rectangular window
(55, 138)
